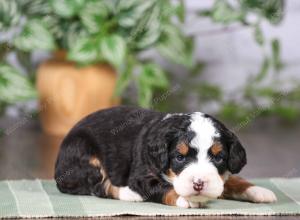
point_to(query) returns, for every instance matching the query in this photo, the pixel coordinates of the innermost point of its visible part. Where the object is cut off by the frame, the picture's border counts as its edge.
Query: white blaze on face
(203, 168)
(205, 134)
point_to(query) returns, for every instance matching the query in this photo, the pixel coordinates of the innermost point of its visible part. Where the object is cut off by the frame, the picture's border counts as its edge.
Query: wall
(231, 56)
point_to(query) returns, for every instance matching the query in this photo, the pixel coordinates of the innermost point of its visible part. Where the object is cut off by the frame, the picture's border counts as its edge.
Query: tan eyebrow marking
(216, 148)
(183, 149)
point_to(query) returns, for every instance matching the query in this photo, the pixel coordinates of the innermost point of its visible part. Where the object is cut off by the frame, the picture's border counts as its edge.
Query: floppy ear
(237, 155)
(158, 140)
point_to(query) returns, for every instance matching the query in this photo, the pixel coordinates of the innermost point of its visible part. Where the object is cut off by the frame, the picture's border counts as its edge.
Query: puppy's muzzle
(198, 185)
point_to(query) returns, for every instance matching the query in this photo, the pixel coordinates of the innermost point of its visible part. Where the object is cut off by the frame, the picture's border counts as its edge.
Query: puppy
(134, 154)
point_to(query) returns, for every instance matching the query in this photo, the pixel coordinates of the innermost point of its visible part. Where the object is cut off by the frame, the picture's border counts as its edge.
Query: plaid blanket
(40, 198)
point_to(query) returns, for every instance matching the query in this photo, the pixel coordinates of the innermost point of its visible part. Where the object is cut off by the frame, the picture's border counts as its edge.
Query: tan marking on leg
(216, 149)
(170, 198)
(95, 162)
(110, 190)
(103, 173)
(235, 186)
(183, 148)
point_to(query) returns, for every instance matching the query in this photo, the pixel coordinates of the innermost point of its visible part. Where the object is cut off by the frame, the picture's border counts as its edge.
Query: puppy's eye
(218, 159)
(180, 158)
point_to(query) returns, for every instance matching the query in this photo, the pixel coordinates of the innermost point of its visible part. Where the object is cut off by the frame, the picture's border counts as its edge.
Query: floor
(184, 218)
(272, 150)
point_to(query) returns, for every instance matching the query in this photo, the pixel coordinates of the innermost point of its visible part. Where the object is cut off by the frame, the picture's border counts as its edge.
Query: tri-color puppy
(135, 154)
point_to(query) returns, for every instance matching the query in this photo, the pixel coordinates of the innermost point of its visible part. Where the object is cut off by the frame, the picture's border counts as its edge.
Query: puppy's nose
(198, 185)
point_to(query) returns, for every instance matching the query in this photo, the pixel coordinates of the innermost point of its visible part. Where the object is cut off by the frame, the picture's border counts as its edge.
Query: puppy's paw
(259, 195)
(126, 194)
(184, 203)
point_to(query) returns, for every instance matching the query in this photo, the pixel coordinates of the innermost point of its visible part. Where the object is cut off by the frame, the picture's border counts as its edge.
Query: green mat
(40, 198)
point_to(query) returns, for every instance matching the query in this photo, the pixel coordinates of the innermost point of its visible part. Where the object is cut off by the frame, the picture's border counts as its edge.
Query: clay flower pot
(68, 92)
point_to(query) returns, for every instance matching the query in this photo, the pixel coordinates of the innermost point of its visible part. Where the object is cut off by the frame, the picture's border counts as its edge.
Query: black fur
(234, 155)
(135, 147)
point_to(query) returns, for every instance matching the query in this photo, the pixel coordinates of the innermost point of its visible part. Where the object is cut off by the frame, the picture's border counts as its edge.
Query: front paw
(184, 203)
(126, 194)
(259, 194)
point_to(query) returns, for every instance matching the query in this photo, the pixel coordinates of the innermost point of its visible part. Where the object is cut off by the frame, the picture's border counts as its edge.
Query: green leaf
(131, 11)
(253, 3)
(55, 25)
(287, 112)
(14, 87)
(268, 92)
(83, 51)
(273, 10)
(123, 82)
(66, 8)
(180, 10)
(153, 75)
(113, 49)
(10, 14)
(111, 5)
(276, 55)
(35, 36)
(5, 48)
(263, 70)
(197, 69)
(223, 12)
(36, 8)
(127, 5)
(93, 15)
(145, 94)
(208, 92)
(148, 29)
(74, 32)
(24, 58)
(234, 111)
(259, 37)
(176, 47)
(150, 77)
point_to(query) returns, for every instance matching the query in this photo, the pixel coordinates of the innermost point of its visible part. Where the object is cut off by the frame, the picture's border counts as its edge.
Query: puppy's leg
(170, 197)
(127, 194)
(239, 189)
(77, 170)
(153, 189)
(109, 190)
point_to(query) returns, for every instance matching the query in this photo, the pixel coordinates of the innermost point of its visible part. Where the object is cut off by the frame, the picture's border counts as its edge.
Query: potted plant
(98, 49)
(94, 43)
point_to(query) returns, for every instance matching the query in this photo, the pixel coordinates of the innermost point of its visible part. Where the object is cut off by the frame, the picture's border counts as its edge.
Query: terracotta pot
(67, 92)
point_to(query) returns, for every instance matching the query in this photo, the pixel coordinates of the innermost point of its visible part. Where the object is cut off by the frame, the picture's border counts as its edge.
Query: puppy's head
(195, 152)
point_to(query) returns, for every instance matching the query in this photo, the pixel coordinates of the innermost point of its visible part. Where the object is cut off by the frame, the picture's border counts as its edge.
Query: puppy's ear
(158, 142)
(237, 155)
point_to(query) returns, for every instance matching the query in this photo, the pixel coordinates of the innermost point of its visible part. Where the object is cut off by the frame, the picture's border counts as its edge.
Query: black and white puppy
(135, 154)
